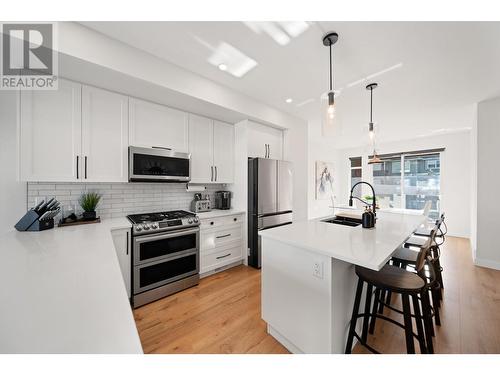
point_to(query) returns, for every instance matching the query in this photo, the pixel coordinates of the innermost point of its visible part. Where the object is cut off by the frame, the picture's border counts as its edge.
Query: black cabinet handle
(223, 256)
(127, 243)
(85, 167)
(211, 223)
(212, 176)
(215, 173)
(77, 162)
(268, 150)
(235, 219)
(226, 235)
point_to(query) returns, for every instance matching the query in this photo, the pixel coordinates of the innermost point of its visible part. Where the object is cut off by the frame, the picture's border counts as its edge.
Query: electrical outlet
(318, 270)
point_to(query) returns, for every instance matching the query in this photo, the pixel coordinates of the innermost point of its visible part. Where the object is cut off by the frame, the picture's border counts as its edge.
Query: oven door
(156, 164)
(155, 247)
(155, 274)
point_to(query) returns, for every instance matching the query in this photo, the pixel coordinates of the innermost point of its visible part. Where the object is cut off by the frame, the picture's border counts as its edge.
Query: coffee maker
(223, 200)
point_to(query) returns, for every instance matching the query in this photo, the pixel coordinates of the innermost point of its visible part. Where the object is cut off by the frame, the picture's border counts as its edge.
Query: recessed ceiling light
(222, 67)
(289, 100)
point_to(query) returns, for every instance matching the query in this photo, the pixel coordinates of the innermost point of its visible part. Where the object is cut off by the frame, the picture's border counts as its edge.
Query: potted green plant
(89, 202)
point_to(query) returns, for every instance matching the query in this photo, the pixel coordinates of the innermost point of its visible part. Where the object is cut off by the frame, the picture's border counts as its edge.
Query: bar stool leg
(375, 308)
(355, 311)
(410, 346)
(429, 327)
(368, 303)
(435, 304)
(418, 321)
(382, 299)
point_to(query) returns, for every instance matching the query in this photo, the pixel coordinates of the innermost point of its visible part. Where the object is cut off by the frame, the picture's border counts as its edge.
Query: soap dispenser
(367, 218)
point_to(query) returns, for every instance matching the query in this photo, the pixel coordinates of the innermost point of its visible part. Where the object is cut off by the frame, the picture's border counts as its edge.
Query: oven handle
(156, 236)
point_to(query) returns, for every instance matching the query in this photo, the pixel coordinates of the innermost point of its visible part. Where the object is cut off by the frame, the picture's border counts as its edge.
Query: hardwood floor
(222, 314)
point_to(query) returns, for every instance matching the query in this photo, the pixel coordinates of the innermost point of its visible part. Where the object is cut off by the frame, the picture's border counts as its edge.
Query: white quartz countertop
(61, 291)
(370, 248)
(218, 213)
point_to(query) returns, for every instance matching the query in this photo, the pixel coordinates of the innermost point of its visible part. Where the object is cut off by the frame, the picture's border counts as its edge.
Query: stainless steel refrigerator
(270, 194)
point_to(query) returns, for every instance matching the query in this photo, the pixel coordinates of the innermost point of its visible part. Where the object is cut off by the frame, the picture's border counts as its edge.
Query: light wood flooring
(222, 314)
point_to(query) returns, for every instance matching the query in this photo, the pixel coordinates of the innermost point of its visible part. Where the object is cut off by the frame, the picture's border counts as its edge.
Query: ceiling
(429, 73)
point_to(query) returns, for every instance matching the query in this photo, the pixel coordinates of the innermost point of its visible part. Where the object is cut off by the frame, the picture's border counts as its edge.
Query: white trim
(487, 263)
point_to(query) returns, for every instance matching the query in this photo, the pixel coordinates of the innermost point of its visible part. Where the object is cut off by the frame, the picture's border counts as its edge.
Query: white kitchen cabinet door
(264, 141)
(50, 133)
(121, 240)
(201, 147)
(104, 135)
(223, 152)
(157, 125)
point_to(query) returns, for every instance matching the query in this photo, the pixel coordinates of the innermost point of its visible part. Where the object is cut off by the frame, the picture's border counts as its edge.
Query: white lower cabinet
(121, 239)
(221, 242)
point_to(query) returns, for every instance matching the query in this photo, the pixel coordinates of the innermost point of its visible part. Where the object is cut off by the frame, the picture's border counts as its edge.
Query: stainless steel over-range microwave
(158, 164)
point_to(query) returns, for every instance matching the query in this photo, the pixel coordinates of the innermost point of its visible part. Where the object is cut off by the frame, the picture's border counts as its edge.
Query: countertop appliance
(223, 200)
(158, 164)
(165, 254)
(270, 200)
(200, 203)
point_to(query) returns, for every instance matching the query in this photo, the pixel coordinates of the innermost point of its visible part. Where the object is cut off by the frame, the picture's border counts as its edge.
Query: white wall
(12, 193)
(456, 174)
(488, 180)
(321, 149)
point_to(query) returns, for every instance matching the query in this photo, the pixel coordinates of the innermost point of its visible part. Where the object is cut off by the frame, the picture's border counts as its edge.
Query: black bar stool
(410, 286)
(404, 257)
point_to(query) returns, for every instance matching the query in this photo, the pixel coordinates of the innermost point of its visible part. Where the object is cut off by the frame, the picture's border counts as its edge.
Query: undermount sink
(341, 220)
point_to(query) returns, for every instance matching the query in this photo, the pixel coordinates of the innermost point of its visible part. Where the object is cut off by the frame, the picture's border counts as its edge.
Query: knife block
(30, 222)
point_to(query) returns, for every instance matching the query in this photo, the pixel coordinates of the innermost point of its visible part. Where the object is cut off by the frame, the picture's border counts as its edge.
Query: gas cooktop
(162, 221)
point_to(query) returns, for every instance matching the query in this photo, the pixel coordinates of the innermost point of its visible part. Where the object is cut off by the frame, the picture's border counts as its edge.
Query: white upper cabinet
(223, 152)
(211, 144)
(264, 141)
(50, 133)
(156, 125)
(201, 147)
(104, 135)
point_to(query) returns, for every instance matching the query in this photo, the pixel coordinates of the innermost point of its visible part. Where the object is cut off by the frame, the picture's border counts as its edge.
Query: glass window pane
(387, 182)
(422, 180)
(356, 162)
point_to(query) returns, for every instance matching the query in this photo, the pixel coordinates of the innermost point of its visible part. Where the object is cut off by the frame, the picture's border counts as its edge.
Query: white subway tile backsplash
(121, 199)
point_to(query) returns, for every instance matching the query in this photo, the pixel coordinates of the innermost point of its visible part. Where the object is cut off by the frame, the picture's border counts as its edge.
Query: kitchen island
(308, 278)
(62, 291)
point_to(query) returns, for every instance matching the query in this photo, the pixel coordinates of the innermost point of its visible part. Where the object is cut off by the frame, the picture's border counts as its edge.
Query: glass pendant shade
(329, 128)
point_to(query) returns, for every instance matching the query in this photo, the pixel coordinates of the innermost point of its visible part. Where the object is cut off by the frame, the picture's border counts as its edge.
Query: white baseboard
(283, 340)
(487, 263)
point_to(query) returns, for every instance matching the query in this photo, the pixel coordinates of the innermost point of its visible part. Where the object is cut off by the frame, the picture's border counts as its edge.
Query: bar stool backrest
(424, 255)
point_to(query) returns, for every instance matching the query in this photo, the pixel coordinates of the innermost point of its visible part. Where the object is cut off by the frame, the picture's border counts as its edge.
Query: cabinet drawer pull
(223, 256)
(85, 167)
(77, 160)
(127, 243)
(226, 235)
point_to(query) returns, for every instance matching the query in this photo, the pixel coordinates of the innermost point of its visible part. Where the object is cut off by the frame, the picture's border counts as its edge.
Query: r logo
(27, 49)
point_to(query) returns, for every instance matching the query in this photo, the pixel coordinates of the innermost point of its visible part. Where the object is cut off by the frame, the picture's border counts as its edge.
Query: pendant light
(328, 102)
(371, 127)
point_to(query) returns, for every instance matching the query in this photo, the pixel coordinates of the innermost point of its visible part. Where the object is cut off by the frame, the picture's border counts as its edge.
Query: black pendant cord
(371, 105)
(331, 76)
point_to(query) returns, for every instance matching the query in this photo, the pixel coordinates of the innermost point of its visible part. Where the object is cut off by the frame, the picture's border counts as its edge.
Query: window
(413, 185)
(356, 174)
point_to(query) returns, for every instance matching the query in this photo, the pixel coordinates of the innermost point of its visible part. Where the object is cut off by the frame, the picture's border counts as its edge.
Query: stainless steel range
(165, 254)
